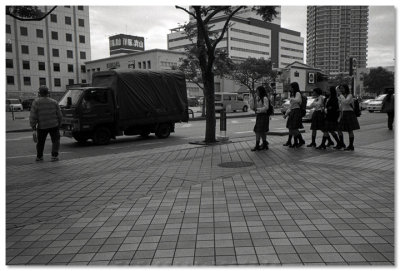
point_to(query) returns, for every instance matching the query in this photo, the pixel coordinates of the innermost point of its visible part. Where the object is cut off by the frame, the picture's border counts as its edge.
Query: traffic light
(353, 66)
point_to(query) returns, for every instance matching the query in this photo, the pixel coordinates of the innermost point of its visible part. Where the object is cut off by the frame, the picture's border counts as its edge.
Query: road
(20, 148)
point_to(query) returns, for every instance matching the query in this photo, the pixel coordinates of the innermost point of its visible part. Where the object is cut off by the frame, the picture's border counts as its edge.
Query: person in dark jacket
(260, 106)
(388, 107)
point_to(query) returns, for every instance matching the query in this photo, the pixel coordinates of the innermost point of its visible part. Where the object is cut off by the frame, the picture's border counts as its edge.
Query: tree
(206, 43)
(377, 79)
(27, 13)
(340, 78)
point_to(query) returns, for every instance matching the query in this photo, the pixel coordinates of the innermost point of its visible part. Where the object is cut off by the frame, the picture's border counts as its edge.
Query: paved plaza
(208, 205)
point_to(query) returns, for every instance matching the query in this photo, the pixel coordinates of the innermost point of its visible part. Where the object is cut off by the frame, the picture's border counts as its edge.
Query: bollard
(222, 125)
(12, 112)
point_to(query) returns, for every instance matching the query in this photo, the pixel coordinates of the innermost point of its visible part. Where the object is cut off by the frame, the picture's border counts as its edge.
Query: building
(49, 52)
(334, 34)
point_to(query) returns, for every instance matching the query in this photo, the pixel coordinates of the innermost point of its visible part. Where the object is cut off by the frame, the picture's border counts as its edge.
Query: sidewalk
(215, 205)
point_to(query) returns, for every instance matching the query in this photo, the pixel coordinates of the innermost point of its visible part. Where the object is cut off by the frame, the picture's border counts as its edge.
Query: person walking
(331, 108)
(318, 118)
(348, 121)
(388, 107)
(260, 105)
(294, 122)
(45, 117)
(340, 97)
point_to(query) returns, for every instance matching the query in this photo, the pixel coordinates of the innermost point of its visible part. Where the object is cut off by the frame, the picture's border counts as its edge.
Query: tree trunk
(209, 95)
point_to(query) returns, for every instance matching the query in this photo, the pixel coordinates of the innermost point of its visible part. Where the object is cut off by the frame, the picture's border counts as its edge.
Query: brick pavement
(216, 205)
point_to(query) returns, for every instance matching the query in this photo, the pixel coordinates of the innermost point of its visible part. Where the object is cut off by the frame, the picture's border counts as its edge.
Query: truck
(125, 102)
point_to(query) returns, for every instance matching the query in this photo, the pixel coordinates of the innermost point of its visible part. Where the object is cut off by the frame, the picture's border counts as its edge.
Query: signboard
(311, 78)
(126, 43)
(279, 88)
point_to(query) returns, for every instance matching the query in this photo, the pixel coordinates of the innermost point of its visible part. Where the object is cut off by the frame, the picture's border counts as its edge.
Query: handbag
(34, 136)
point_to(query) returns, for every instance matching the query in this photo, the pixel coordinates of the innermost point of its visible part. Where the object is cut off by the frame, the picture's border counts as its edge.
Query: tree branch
(29, 19)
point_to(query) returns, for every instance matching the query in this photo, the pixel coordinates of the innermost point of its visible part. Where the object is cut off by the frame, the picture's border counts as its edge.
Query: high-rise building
(334, 34)
(49, 52)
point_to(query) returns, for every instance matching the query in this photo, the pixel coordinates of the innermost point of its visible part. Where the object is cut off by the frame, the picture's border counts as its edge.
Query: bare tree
(27, 13)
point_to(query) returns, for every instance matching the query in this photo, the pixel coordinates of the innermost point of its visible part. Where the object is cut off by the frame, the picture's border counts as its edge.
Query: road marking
(187, 125)
(30, 155)
(142, 144)
(244, 132)
(18, 138)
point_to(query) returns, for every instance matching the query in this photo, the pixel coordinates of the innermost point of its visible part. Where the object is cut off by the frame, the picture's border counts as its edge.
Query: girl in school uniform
(348, 121)
(260, 106)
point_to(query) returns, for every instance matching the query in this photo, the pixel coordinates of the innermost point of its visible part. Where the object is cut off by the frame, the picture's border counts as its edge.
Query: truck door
(98, 106)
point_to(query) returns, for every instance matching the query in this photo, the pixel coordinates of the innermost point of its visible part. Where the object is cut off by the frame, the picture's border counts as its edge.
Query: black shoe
(295, 145)
(256, 148)
(321, 147)
(287, 144)
(301, 143)
(330, 144)
(349, 148)
(312, 145)
(264, 146)
(39, 159)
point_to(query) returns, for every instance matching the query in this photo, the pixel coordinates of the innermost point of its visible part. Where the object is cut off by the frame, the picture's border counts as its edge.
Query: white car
(376, 105)
(13, 105)
(364, 104)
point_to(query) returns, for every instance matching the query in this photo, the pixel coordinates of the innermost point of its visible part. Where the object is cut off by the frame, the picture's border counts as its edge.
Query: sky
(154, 23)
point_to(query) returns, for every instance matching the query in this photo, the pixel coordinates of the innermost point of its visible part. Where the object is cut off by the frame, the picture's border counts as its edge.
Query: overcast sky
(154, 23)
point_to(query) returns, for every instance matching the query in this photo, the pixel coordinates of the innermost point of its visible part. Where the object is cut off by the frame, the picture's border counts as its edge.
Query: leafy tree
(340, 79)
(27, 13)
(206, 43)
(377, 79)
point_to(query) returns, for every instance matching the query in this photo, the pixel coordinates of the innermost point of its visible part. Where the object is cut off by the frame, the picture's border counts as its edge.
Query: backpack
(303, 105)
(356, 108)
(270, 110)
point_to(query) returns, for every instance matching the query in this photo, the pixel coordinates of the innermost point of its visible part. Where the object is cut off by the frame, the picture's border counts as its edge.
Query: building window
(26, 65)
(83, 81)
(70, 81)
(39, 33)
(81, 39)
(83, 55)
(9, 63)
(8, 29)
(296, 74)
(140, 65)
(40, 51)
(54, 35)
(27, 81)
(148, 64)
(10, 80)
(53, 18)
(70, 68)
(144, 65)
(70, 54)
(9, 47)
(42, 81)
(24, 31)
(80, 7)
(67, 20)
(56, 67)
(68, 37)
(98, 69)
(83, 69)
(56, 52)
(57, 82)
(81, 22)
(25, 49)
(42, 66)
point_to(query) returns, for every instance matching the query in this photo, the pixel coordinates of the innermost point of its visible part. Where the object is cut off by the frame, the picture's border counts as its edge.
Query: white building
(50, 52)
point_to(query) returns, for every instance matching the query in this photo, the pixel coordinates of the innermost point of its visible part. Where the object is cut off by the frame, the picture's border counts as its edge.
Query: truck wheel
(102, 136)
(245, 108)
(145, 134)
(163, 131)
(81, 139)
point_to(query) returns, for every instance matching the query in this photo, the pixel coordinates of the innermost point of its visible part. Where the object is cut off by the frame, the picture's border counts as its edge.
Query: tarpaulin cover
(157, 95)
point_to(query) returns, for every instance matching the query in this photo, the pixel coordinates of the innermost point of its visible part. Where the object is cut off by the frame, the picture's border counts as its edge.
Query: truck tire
(245, 108)
(81, 139)
(163, 130)
(102, 136)
(145, 134)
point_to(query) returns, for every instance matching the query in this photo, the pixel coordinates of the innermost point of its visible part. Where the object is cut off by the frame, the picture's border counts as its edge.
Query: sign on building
(122, 43)
(311, 78)
(279, 88)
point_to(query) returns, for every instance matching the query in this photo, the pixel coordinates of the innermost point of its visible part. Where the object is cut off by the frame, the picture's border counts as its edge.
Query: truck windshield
(74, 94)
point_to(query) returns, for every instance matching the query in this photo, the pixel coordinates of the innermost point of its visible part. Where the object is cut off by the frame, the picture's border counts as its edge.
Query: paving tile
(268, 259)
(352, 257)
(289, 259)
(310, 258)
(162, 261)
(207, 261)
(183, 261)
(225, 260)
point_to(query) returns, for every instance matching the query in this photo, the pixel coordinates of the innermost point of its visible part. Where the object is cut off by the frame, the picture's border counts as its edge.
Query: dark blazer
(332, 106)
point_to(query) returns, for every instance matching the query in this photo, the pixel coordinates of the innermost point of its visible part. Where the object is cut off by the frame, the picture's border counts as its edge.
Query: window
(8, 29)
(67, 20)
(56, 52)
(98, 69)
(83, 69)
(39, 33)
(56, 67)
(24, 31)
(70, 81)
(80, 7)
(70, 54)
(42, 66)
(68, 37)
(25, 49)
(81, 22)
(81, 39)
(9, 63)
(10, 80)
(42, 81)
(53, 18)
(70, 68)
(83, 55)
(54, 35)
(144, 64)
(148, 64)
(296, 74)
(27, 81)
(140, 65)
(57, 82)
(26, 65)
(9, 47)
(40, 51)
(83, 81)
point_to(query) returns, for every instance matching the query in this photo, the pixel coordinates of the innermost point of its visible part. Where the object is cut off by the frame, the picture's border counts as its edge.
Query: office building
(49, 52)
(334, 34)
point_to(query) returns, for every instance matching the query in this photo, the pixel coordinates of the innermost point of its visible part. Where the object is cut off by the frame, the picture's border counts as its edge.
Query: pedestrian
(260, 105)
(294, 122)
(45, 117)
(340, 97)
(388, 106)
(331, 108)
(348, 121)
(317, 119)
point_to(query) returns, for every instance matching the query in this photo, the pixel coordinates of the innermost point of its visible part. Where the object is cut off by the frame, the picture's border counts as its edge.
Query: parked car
(192, 101)
(230, 102)
(376, 105)
(309, 109)
(13, 105)
(364, 104)
(201, 100)
(26, 104)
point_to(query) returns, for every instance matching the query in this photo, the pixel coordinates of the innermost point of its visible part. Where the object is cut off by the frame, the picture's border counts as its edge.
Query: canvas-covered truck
(125, 102)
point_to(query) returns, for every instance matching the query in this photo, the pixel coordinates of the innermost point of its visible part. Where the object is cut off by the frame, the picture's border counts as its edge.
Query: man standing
(45, 116)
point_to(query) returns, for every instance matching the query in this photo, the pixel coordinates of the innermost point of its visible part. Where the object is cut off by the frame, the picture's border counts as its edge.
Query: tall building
(334, 34)
(49, 52)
